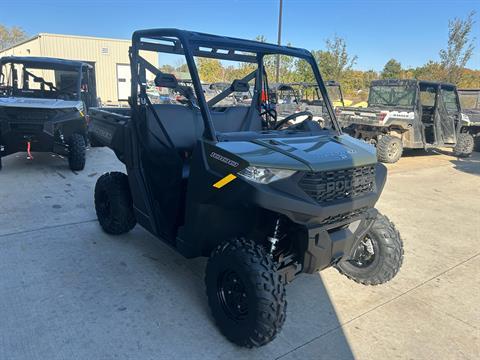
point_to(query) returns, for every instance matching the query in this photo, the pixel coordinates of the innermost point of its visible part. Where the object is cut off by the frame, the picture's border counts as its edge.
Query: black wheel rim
(364, 254)
(232, 295)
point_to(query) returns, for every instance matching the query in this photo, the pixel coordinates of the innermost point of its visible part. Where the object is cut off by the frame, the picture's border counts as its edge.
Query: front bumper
(322, 247)
(48, 136)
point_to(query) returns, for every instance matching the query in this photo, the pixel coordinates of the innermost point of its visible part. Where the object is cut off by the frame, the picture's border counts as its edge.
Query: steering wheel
(284, 121)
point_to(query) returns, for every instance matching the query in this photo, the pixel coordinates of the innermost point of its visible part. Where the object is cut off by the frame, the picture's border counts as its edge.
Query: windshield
(470, 100)
(334, 93)
(392, 95)
(238, 92)
(39, 81)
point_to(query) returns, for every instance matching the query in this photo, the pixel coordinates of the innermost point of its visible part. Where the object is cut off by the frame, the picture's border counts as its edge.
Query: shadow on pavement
(40, 160)
(72, 291)
(468, 165)
(312, 329)
(421, 152)
(75, 292)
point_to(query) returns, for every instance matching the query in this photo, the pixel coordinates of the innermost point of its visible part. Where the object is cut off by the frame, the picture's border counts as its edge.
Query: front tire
(113, 203)
(77, 152)
(245, 293)
(379, 256)
(464, 146)
(389, 149)
(476, 147)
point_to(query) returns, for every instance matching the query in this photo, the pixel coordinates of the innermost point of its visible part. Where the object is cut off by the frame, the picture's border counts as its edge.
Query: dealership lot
(70, 291)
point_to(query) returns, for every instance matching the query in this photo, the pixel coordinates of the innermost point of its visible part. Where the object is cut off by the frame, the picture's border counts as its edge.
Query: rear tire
(77, 152)
(389, 149)
(476, 147)
(245, 293)
(464, 146)
(378, 258)
(113, 203)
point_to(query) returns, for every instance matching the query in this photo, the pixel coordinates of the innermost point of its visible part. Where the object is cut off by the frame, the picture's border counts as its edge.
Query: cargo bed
(107, 127)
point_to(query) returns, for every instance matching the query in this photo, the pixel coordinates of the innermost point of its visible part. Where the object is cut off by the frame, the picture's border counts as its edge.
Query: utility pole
(277, 75)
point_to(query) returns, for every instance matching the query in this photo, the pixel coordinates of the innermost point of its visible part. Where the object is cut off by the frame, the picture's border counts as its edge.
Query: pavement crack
(46, 228)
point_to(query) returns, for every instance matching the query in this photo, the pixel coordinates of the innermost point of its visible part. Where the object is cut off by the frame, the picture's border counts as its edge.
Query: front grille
(18, 114)
(26, 128)
(342, 218)
(328, 186)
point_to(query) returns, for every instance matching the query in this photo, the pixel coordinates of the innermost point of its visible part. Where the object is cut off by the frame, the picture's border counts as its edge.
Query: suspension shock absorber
(275, 238)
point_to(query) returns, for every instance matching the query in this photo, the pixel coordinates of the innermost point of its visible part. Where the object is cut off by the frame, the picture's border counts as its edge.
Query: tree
(459, 47)
(181, 67)
(11, 36)
(335, 61)
(167, 68)
(432, 70)
(392, 69)
(210, 70)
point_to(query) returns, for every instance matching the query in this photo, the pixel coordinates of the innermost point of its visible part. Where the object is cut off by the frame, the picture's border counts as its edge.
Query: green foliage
(169, 69)
(335, 61)
(392, 69)
(11, 36)
(210, 70)
(459, 47)
(432, 70)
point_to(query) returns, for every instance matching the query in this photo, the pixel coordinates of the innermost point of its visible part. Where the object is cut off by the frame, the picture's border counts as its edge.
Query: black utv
(470, 101)
(409, 114)
(43, 106)
(263, 200)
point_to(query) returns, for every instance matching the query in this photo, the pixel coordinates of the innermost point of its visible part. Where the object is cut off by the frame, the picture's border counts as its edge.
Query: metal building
(109, 57)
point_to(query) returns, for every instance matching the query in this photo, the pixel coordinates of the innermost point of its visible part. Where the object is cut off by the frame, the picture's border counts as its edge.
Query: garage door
(123, 81)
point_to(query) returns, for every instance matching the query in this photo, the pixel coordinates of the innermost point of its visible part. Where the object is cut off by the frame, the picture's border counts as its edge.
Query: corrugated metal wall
(104, 53)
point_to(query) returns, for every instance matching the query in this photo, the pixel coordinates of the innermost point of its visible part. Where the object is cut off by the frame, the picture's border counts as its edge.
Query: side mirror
(166, 80)
(240, 86)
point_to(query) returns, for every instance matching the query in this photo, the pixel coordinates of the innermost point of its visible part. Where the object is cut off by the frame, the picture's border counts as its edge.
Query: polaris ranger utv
(470, 102)
(263, 200)
(43, 105)
(303, 96)
(409, 114)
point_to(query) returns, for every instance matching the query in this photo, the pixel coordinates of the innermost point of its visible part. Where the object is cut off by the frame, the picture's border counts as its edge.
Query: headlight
(265, 175)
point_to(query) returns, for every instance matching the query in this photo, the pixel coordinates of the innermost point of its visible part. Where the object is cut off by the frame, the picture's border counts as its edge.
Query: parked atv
(470, 102)
(265, 201)
(43, 105)
(409, 114)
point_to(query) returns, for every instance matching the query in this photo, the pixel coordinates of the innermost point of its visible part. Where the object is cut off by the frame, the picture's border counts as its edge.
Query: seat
(233, 119)
(183, 125)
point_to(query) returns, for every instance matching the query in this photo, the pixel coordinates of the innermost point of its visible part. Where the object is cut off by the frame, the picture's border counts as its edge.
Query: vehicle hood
(472, 115)
(23, 102)
(312, 153)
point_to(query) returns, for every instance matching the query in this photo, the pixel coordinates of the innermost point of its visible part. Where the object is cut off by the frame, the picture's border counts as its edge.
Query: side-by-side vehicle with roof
(264, 200)
(43, 106)
(470, 102)
(409, 114)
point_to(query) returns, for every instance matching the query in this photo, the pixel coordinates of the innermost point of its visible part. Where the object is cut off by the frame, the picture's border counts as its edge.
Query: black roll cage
(191, 44)
(44, 64)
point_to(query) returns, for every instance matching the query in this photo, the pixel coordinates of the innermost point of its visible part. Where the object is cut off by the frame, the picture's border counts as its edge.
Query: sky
(409, 31)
